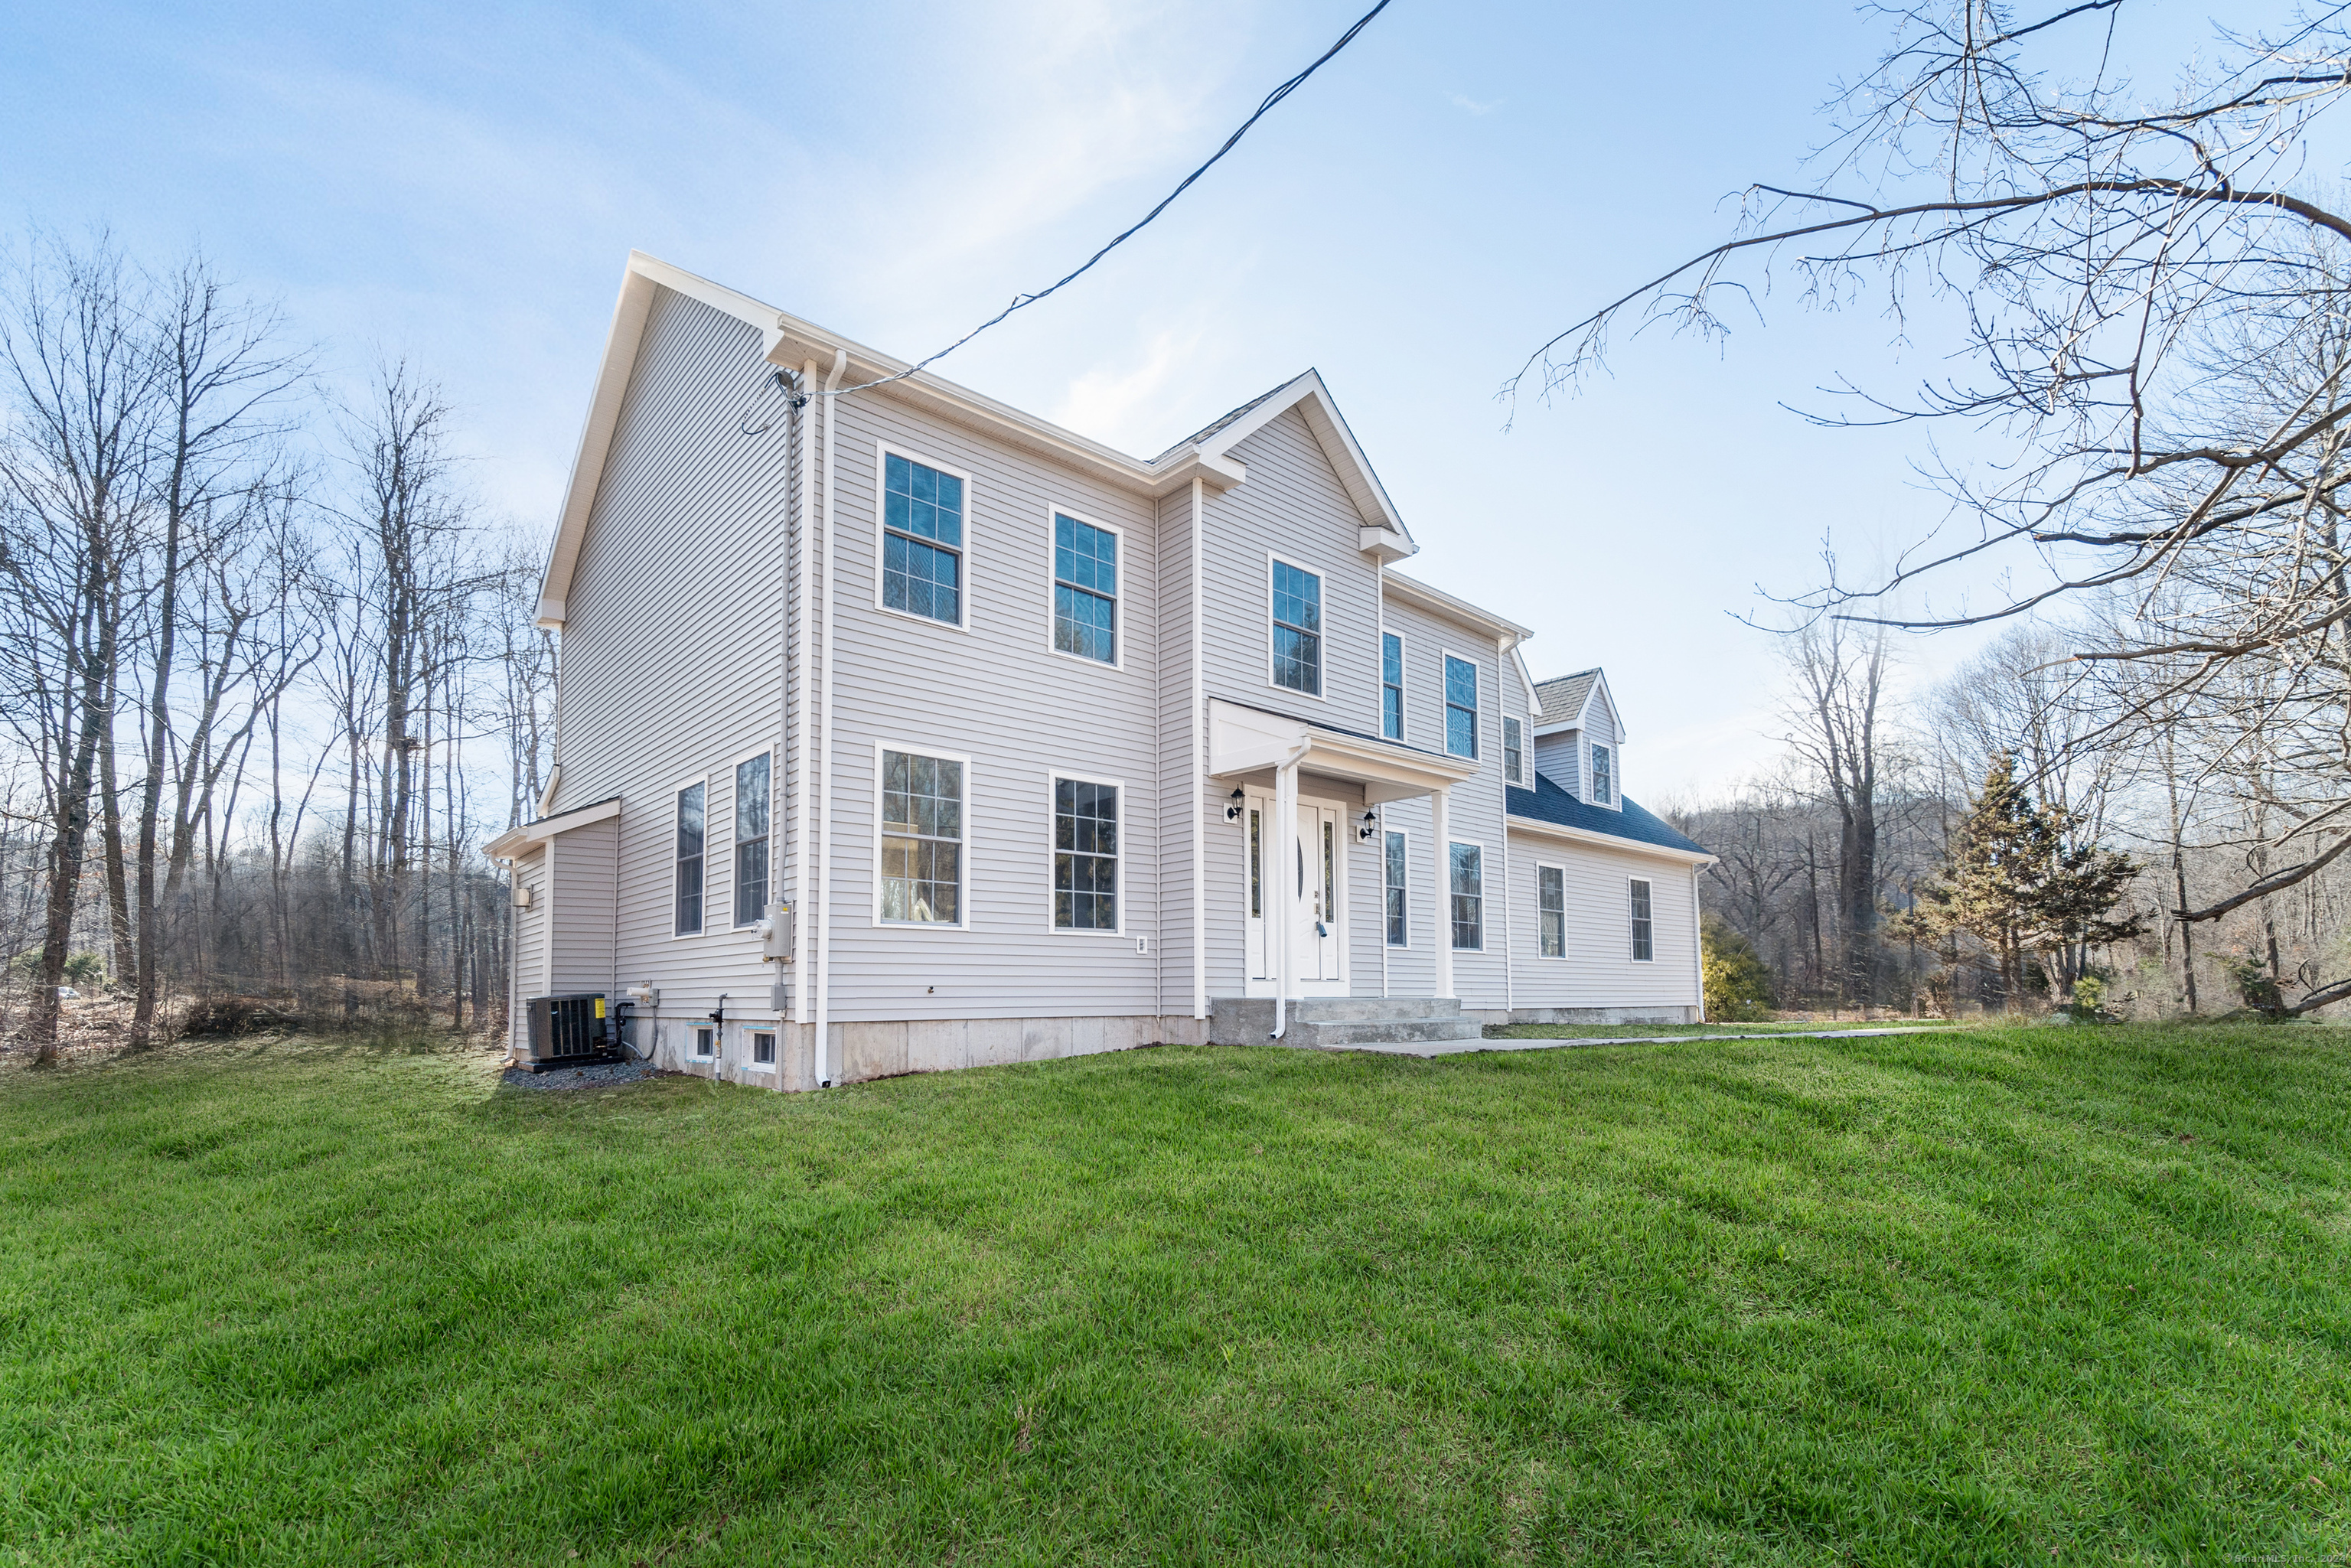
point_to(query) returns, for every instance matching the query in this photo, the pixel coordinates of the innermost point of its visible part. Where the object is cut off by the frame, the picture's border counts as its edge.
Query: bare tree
(2151, 317)
(1835, 726)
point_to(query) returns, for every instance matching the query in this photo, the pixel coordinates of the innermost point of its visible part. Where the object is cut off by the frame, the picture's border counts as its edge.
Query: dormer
(1580, 738)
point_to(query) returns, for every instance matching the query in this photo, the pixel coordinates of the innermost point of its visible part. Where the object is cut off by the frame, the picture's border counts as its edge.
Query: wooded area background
(269, 677)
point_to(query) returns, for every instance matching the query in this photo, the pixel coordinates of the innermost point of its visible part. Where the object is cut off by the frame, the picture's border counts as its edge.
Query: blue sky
(462, 184)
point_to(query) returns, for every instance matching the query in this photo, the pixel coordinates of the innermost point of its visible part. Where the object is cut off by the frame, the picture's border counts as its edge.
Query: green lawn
(2004, 1296)
(1666, 1030)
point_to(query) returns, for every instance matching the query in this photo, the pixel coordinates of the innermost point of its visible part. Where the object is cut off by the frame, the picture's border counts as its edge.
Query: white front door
(1317, 893)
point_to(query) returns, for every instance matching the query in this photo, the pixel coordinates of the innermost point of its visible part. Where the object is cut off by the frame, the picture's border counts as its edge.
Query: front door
(1317, 891)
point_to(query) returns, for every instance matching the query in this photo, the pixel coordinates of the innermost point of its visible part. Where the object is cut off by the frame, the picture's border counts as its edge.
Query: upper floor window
(1460, 707)
(751, 841)
(922, 840)
(1085, 590)
(1297, 629)
(1085, 855)
(1513, 751)
(1391, 686)
(687, 921)
(922, 540)
(1603, 785)
(1644, 928)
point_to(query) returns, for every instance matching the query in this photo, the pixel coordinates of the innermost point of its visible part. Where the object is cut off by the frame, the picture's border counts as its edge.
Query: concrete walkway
(1463, 1046)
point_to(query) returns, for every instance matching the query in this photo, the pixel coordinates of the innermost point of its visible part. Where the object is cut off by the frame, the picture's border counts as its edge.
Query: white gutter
(803, 633)
(1199, 776)
(823, 1048)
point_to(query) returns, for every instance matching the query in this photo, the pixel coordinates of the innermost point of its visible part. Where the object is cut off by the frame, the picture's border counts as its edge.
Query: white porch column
(1282, 889)
(1437, 842)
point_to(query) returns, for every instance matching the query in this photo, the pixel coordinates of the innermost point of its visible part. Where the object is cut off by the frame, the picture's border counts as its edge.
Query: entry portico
(1291, 915)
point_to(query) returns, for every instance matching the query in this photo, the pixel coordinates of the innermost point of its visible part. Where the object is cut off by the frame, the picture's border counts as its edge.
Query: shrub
(1738, 982)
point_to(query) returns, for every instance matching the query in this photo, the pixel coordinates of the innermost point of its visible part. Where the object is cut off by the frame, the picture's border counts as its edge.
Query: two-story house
(898, 729)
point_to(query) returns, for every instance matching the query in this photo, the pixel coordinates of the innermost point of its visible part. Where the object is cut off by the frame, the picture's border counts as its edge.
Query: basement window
(763, 1048)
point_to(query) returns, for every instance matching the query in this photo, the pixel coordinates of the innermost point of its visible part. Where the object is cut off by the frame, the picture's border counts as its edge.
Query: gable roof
(1550, 804)
(1566, 700)
(787, 341)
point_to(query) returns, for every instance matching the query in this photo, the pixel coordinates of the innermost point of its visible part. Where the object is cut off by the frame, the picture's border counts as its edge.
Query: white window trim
(1522, 776)
(962, 891)
(1118, 600)
(1484, 898)
(1322, 667)
(1404, 684)
(693, 1031)
(670, 843)
(750, 1061)
(882, 452)
(1405, 834)
(1053, 776)
(1444, 708)
(769, 752)
(1615, 759)
(1649, 882)
(1566, 948)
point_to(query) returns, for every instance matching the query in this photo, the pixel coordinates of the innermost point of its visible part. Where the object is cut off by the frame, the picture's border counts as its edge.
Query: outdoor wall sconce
(1371, 825)
(1234, 803)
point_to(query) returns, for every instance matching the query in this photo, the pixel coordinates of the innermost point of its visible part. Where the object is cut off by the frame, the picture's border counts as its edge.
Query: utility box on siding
(564, 1030)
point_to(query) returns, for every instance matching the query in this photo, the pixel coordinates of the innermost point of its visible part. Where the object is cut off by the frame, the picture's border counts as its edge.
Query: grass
(1994, 1296)
(1668, 1031)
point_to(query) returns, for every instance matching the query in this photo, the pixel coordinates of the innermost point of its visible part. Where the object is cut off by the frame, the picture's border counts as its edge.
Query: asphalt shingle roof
(1547, 802)
(1214, 426)
(1564, 697)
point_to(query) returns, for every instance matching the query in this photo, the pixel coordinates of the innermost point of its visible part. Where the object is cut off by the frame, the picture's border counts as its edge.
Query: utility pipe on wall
(823, 1048)
(1199, 780)
(804, 630)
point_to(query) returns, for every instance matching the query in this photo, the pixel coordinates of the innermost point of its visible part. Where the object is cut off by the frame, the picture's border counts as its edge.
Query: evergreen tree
(2015, 881)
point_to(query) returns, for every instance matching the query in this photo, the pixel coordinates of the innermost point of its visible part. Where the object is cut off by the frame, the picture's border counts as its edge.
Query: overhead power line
(1276, 96)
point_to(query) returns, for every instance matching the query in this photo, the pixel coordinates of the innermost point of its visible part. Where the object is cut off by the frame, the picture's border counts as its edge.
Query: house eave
(1695, 859)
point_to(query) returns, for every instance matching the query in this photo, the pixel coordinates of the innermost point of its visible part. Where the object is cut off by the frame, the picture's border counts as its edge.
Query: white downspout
(1698, 941)
(1199, 776)
(1502, 647)
(804, 632)
(823, 1053)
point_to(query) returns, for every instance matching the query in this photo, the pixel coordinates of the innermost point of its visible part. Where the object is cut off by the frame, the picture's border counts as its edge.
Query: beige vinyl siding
(529, 975)
(1599, 970)
(673, 647)
(1176, 940)
(1293, 505)
(580, 865)
(995, 693)
(1560, 758)
(1473, 809)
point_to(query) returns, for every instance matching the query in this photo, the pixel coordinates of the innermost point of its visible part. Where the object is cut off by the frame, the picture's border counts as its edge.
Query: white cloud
(1472, 106)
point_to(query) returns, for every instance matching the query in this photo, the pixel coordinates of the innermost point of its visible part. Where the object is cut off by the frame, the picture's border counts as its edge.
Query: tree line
(266, 669)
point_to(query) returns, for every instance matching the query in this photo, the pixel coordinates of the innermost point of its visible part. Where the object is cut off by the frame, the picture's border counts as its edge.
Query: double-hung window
(1085, 855)
(1391, 686)
(1085, 590)
(1513, 751)
(1297, 629)
(1469, 897)
(751, 841)
(1643, 929)
(687, 920)
(1460, 707)
(922, 540)
(1603, 784)
(1551, 908)
(1392, 884)
(922, 840)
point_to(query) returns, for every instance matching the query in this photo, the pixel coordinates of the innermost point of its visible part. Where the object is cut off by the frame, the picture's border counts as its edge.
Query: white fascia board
(1518, 824)
(516, 841)
(1601, 693)
(1526, 682)
(1418, 594)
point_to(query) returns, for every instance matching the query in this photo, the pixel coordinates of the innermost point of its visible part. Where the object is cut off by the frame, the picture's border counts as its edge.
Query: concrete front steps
(1343, 1023)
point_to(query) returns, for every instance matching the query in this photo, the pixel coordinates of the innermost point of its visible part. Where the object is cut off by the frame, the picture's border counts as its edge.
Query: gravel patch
(602, 1075)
